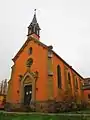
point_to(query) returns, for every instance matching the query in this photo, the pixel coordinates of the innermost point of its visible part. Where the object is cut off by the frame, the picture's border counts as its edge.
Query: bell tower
(33, 28)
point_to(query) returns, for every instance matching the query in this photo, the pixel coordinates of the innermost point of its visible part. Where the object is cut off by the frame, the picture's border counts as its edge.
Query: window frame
(30, 51)
(59, 78)
(76, 83)
(69, 78)
(88, 96)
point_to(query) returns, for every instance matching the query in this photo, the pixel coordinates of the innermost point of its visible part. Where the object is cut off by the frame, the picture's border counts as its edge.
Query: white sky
(65, 24)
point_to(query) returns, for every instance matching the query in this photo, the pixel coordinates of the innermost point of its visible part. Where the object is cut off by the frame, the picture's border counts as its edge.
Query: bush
(50, 106)
(7, 107)
(33, 106)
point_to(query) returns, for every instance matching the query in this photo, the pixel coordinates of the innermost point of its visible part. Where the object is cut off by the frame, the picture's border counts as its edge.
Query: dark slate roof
(34, 22)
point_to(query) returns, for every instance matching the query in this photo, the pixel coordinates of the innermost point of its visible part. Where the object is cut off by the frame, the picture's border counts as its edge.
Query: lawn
(33, 116)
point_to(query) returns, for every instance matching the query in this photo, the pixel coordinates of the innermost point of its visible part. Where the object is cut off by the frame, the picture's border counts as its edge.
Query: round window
(29, 62)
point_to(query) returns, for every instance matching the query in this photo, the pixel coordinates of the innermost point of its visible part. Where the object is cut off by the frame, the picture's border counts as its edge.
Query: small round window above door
(29, 62)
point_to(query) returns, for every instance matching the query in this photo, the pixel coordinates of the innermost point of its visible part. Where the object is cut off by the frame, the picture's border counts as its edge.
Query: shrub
(50, 106)
(33, 106)
(7, 107)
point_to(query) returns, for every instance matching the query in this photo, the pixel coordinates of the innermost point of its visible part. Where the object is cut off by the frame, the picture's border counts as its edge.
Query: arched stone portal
(28, 88)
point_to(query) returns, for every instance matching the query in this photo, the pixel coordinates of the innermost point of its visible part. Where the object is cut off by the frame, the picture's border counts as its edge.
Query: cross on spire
(35, 10)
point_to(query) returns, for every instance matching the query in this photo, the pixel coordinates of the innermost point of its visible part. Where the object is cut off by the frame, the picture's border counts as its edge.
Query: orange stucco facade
(40, 64)
(45, 84)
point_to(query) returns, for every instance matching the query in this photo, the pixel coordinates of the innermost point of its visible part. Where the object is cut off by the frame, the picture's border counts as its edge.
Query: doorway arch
(28, 81)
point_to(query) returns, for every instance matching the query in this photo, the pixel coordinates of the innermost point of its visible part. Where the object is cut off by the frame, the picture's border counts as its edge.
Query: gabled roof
(25, 44)
(45, 46)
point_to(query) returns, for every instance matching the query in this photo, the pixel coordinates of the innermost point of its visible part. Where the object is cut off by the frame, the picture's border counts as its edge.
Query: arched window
(37, 32)
(59, 76)
(30, 51)
(32, 29)
(76, 83)
(69, 78)
(29, 31)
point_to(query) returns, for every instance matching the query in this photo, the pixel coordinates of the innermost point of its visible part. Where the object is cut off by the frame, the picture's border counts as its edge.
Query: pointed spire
(34, 26)
(34, 21)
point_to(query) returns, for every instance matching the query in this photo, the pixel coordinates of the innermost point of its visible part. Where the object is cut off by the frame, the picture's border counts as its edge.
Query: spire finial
(34, 11)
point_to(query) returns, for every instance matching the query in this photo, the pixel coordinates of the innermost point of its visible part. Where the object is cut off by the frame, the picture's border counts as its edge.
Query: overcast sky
(64, 23)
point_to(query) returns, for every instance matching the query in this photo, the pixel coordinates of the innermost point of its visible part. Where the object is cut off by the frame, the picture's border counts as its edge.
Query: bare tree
(3, 87)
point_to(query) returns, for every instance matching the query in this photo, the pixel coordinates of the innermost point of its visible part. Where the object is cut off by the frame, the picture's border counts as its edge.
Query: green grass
(15, 116)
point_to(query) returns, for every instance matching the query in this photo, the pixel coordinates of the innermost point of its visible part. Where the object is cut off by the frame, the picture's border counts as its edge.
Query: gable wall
(39, 56)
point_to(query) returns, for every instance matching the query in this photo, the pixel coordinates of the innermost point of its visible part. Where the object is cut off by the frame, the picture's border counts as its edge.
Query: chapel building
(40, 74)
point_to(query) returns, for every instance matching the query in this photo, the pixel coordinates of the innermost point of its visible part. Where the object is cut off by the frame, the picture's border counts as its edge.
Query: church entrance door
(27, 94)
